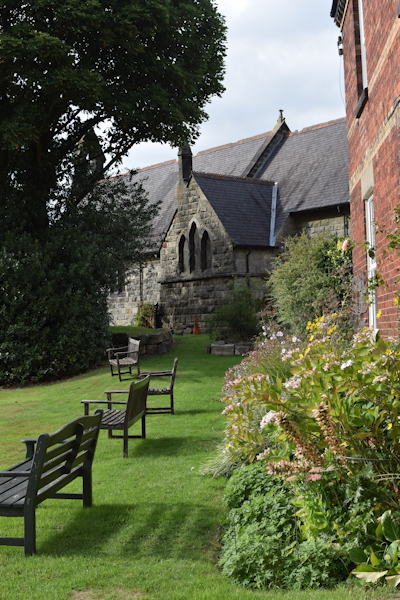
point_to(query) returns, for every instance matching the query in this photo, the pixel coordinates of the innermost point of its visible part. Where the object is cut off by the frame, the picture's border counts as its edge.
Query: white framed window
(362, 43)
(371, 262)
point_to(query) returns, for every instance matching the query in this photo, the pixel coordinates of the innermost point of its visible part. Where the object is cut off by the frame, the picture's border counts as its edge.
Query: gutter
(272, 238)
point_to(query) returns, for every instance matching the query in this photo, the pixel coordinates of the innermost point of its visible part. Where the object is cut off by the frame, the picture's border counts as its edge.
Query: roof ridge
(231, 178)
(161, 164)
(318, 126)
(230, 144)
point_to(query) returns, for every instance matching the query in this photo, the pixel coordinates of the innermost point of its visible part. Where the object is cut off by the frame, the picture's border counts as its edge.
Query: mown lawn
(155, 526)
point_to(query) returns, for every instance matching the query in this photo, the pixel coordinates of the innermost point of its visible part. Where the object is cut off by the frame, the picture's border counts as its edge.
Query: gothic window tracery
(182, 251)
(192, 247)
(205, 252)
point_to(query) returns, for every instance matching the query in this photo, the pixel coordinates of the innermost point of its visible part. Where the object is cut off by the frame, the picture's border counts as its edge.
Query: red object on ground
(196, 326)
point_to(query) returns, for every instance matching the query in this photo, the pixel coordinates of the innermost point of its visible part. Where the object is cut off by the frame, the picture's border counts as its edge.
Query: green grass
(155, 526)
(132, 329)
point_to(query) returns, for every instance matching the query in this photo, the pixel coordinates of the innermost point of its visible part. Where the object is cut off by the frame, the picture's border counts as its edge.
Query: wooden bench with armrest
(162, 391)
(52, 461)
(124, 358)
(129, 411)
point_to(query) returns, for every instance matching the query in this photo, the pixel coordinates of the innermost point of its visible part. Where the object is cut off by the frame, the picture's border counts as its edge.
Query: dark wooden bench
(129, 411)
(124, 358)
(52, 461)
(162, 391)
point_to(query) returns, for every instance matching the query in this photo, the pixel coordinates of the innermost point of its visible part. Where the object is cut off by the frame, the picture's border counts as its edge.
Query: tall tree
(80, 83)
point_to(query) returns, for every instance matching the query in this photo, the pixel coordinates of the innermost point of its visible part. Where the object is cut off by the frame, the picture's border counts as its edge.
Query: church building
(225, 213)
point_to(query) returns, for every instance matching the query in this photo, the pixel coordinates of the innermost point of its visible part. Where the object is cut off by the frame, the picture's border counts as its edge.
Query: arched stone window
(182, 251)
(192, 247)
(205, 254)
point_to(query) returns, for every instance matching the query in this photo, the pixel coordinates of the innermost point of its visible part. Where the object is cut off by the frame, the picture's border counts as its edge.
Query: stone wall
(141, 286)
(331, 222)
(185, 283)
(196, 288)
(183, 300)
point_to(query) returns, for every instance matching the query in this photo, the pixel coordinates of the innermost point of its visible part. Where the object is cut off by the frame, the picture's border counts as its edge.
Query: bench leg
(125, 452)
(87, 487)
(30, 532)
(144, 427)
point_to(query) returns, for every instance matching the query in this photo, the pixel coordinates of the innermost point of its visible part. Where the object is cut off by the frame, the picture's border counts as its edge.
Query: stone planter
(223, 349)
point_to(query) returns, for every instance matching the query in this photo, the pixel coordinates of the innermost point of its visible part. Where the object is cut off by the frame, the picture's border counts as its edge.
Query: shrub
(311, 277)
(262, 545)
(237, 320)
(146, 315)
(54, 287)
(330, 432)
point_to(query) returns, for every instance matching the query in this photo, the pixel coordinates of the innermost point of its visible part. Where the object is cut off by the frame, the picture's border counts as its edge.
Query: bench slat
(113, 417)
(14, 494)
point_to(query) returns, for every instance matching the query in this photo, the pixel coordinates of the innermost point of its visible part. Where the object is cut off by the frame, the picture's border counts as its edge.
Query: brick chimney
(185, 163)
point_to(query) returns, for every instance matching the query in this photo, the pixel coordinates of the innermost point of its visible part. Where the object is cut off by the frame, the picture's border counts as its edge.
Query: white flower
(270, 417)
(293, 382)
(279, 334)
(346, 364)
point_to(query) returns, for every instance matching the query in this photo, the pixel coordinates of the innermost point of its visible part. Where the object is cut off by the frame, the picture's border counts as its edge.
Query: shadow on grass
(193, 411)
(176, 530)
(163, 446)
(169, 446)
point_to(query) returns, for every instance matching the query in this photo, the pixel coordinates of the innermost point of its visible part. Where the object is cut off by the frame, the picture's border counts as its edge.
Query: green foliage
(53, 293)
(339, 406)
(330, 431)
(244, 439)
(380, 560)
(81, 82)
(237, 320)
(311, 277)
(145, 315)
(262, 545)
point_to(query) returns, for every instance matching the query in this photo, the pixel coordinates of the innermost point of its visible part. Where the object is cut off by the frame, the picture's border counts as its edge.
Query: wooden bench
(128, 412)
(57, 460)
(124, 358)
(162, 391)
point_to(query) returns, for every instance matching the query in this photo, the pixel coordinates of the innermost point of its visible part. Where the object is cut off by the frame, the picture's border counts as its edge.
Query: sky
(281, 54)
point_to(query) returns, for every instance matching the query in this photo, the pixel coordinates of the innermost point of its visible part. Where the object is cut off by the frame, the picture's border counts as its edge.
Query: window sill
(362, 101)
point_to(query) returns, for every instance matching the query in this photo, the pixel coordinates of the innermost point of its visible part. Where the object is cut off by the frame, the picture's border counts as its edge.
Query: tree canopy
(80, 84)
(124, 70)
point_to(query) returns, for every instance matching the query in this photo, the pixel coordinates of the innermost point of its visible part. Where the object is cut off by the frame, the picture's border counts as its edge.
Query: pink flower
(345, 245)
(313, 477)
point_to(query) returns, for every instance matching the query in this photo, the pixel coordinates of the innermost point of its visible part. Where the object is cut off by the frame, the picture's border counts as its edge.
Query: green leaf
(379, 531)
(375, 562)
(357, 555)
(393, 551)
(364, 567)
(389, 528)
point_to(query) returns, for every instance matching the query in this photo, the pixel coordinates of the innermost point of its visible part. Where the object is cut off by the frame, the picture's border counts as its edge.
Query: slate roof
(310, 167)
(230, 159)
(242, 205)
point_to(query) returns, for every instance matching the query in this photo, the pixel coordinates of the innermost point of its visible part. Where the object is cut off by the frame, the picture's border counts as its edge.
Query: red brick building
(370, 43)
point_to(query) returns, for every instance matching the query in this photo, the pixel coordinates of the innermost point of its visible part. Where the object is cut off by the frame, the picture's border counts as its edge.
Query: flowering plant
(338, 410)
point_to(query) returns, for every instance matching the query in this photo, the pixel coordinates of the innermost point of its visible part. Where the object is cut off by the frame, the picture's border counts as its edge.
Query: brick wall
(374, 142)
